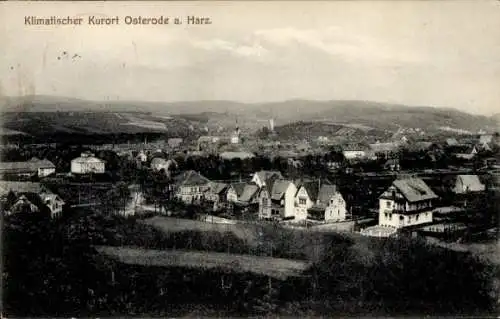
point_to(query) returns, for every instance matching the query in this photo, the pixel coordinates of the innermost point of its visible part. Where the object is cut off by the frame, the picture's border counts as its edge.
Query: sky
(422, 53)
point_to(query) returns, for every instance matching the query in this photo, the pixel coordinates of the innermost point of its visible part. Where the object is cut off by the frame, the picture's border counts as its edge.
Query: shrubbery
(50, 269)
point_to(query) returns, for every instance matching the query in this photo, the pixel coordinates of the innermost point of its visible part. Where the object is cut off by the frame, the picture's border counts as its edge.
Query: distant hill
(379, 116)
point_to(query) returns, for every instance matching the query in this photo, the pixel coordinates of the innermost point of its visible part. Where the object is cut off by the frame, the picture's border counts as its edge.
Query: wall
(300, 210)
(42, 172)
(337, 210)
(289, 208)
(264, 211)
(231, 195)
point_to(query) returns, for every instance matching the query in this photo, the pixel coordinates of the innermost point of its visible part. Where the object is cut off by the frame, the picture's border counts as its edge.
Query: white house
(54, 203)
(142, 157)
(235, 137)
(465, 184)
(276, 201)
(407, 202)
(260, 178)
(319, 202)
(354, 151)
(87, 163)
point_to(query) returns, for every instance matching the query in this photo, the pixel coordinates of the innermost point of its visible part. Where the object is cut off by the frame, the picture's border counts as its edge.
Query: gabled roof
(451, 141)
(312, 189)
(32, 165)
(414, 189)
(87, 159)
(326, 192)
(191, 178)
(279, 188)
(238, 188)
(264, 175)
(248, 193)
(384, 147)
(218, 188)
(354, 147)
(472, 182)
(19, 187)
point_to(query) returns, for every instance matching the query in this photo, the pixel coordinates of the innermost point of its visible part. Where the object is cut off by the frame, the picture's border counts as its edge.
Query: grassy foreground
(46, 262)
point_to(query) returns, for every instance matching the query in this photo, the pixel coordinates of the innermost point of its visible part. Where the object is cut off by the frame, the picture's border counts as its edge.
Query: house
(319, 202)
(451, 142)
(23, 204)
(465, 152)
(420, 146)
(31, 196)
(294, 163)
(407, 202)
(87, 163)
(242, 194)
(234, 191)
(191, 186)
(384, 149)
(207, 140)
(260, 178)
(158, 164)
(233, 155)
(276, 200)
(392, 165)
(174, 142)
(217, 194)
(323, 139)
(33, 167)
(142, 157)
(303, 147)
(249, 195)
(235, 137)
(354, 151)
(333, 165)
(465, 184)
(54, 203)
(485, 139)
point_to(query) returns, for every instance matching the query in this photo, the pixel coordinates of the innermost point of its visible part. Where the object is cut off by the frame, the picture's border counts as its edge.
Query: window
(302, 201)
(390, 216)
(416, 217)
(388, 204)
(401, 217)
(331, 201)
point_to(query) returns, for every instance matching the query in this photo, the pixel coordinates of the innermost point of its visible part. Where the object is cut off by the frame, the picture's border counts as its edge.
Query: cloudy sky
(432, 53)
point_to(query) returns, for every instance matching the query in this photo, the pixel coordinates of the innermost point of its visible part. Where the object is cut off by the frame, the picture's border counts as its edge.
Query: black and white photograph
(255, 159)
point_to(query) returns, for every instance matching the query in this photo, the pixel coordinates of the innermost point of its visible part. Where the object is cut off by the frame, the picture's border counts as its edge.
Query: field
(273, 267)
(489, 251)
(49, 123)
(245, 232)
